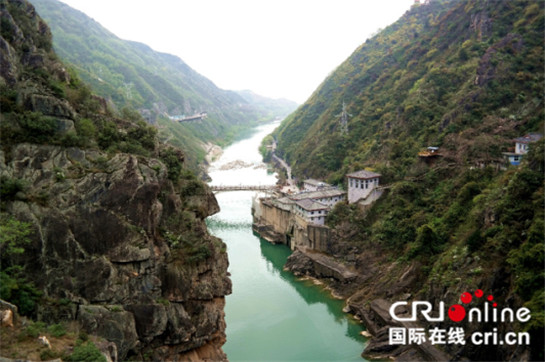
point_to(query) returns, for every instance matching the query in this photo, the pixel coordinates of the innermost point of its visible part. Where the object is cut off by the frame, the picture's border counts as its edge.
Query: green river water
(271, 315)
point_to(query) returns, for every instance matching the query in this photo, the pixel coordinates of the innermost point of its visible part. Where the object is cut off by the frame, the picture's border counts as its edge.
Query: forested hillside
(467, 77)
(131, 74)
(442, 69)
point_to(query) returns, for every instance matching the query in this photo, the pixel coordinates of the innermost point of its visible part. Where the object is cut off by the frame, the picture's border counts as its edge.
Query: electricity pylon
(344, 119)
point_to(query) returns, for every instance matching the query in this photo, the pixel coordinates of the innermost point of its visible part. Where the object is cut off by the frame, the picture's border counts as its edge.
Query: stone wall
(277, 224)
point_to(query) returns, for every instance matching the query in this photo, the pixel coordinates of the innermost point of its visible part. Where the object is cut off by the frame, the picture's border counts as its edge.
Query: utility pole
(128, 90)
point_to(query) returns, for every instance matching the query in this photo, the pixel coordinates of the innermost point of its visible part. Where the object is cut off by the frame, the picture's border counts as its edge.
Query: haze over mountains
(109, 224)
(131, 74)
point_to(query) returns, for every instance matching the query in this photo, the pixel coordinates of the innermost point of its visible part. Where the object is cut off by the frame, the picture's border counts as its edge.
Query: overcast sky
(276, 48)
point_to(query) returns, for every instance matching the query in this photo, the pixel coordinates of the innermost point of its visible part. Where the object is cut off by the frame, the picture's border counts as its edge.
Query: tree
(13, 285)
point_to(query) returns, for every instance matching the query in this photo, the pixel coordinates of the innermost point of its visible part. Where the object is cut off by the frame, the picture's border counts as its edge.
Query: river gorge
(271, 314)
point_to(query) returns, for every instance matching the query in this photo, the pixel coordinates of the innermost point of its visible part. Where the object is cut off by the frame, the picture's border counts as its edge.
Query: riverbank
(213, 152)
(331, 258)
(368, 289)
(271, 307)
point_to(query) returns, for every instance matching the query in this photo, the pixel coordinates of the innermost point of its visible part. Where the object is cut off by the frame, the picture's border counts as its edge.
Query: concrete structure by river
(298, 220)
(272, 315)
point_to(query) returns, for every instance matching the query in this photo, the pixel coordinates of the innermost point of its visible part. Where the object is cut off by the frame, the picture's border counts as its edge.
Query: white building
(312, 211)
(361, 184)
(522, 146)
(314, 185)
(329, 196)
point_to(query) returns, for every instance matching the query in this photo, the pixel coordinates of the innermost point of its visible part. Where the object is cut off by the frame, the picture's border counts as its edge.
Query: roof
(285, 200)
(283, 203)
(429, 154)
(363, 175)
(314, 182)
(529, 138)
(311, 205)
(320, 194)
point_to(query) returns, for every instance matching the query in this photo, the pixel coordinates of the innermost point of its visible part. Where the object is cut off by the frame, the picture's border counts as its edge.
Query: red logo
(457, 312)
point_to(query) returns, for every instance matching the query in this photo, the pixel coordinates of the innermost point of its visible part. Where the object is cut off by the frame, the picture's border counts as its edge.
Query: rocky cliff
(118, 241)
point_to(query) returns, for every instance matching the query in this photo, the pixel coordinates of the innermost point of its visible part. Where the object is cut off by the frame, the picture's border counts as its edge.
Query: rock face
(318, 265)
(103, 245)
(118, 243)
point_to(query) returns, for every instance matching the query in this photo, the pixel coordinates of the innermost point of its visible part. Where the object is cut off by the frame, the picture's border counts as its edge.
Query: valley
(147, 214)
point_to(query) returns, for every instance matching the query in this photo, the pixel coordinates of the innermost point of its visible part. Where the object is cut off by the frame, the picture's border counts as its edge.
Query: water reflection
(311, 293)
(272, 315)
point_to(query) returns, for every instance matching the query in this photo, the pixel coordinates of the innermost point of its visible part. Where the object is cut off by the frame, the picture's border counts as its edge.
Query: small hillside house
(430, 155)
(361, 184)
(522, 146)
(312, 211)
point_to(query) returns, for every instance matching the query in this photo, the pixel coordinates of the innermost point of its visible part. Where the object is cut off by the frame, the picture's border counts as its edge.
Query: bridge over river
(265, 188)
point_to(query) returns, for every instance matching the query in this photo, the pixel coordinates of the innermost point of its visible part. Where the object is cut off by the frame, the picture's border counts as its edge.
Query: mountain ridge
(130, 73)
(466, 77)
(429, 74)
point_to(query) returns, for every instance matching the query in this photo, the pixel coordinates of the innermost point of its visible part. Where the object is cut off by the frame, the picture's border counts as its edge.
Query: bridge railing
(243, 188)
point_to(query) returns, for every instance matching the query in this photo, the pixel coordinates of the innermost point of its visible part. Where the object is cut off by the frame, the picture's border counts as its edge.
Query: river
(271, 315)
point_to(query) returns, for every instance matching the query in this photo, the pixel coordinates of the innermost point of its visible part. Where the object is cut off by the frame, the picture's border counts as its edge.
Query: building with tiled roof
(329, 196)
(361, 184)
(312, 211)
(314, 185)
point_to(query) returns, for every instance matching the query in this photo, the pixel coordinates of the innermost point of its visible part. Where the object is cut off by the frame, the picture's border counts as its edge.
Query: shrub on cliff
(14, 286)
(86, 352)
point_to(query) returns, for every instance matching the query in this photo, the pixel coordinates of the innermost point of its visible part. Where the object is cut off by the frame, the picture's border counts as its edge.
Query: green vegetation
(54, 107)
(173, 159)
(133, 76)
(10, 187)
(466, 76)
(408, 88)
(86, 351)
(14, 286)
(264, 148)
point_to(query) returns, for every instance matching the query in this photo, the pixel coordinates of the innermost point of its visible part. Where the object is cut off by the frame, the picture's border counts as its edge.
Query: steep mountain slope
(158, 84)
(441, 69)
(101, 227)
(466, 76)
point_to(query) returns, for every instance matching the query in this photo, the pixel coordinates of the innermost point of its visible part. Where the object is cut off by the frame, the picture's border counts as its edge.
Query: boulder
(50, 106)
(114, 324)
